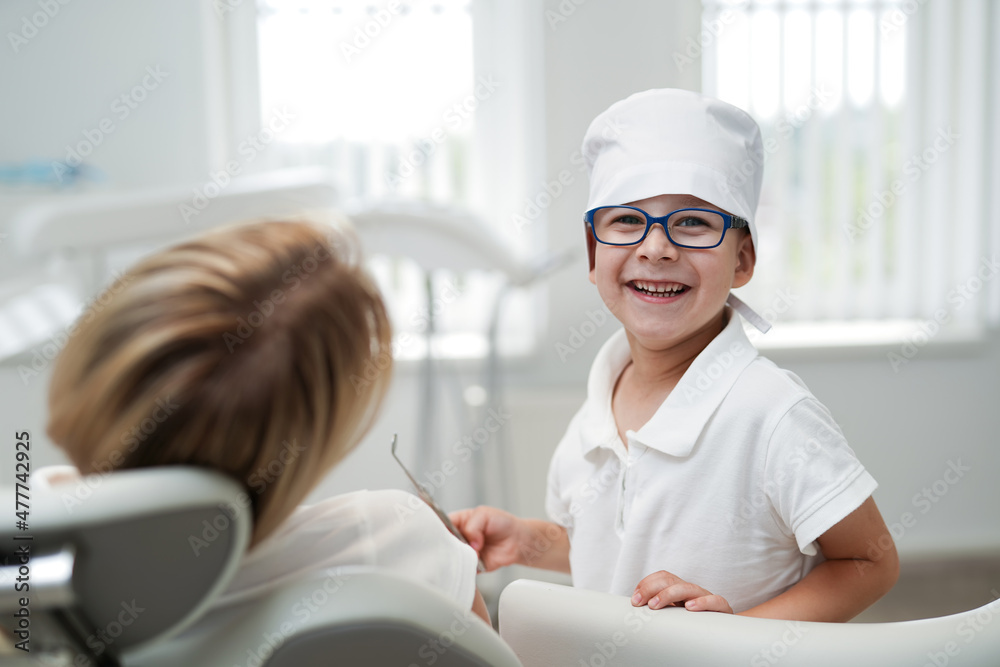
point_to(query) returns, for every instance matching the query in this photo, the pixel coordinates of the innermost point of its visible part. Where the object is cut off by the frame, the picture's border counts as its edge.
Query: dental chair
(124, 568)
(549, 624)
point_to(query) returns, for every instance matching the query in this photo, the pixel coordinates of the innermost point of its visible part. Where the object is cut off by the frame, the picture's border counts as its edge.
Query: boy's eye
(690, 221)
(628, 219)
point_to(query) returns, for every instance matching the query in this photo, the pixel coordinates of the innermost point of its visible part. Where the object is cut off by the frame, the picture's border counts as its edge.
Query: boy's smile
(658, 291)
(665, 294)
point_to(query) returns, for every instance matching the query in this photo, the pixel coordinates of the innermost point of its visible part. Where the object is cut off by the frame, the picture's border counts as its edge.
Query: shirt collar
(678, 422)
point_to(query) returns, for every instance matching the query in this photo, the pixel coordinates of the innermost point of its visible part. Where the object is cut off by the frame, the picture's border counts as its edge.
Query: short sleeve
(811, 475)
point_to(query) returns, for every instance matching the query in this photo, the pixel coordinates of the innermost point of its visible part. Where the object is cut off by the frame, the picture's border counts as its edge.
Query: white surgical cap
(671, 141)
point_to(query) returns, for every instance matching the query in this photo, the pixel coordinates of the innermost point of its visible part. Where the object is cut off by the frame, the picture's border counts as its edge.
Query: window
(873, 112)
(388, 95)
(379, 90)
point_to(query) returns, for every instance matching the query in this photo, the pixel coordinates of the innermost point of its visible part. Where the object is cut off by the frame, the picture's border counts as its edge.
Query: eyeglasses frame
(732, 222)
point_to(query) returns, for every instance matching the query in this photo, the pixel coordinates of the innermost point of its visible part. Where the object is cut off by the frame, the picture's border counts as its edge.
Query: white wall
(905, 426)
(73, 71)
(59, 86)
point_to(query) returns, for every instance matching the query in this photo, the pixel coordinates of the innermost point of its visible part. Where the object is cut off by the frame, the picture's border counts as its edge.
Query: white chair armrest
(548, 624)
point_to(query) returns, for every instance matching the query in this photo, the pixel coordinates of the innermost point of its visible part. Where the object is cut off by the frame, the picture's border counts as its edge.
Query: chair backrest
(58, 253)
(436, 237)
(125, 568)
(148, 551)
(354, 617)
(549, 624)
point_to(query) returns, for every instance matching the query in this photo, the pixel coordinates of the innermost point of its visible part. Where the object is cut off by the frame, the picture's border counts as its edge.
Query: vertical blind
(875, 203)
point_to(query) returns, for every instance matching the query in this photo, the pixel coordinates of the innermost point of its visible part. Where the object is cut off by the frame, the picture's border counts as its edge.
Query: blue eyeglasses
(685, 227)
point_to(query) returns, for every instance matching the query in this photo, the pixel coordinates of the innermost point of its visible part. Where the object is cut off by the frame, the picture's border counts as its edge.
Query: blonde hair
(262, 351)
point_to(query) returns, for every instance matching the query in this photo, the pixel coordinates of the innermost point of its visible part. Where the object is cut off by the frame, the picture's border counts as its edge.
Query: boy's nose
(656, 245)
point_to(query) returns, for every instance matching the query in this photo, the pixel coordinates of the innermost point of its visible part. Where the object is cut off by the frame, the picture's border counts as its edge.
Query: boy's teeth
(661, 289)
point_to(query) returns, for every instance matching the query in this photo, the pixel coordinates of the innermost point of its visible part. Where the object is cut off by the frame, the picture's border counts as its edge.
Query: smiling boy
(697, 473)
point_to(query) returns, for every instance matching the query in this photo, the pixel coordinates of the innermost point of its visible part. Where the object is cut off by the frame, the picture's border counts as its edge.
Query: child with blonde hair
(236, 352)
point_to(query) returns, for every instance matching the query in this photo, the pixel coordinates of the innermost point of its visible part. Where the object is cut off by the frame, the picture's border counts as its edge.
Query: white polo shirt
(727, 486)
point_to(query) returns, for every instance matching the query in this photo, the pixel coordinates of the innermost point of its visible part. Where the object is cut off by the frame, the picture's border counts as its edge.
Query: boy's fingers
(691, 596)
(471, 523)
(675, 594)
(458, 517)
(651, 585)
(709, 603)
(663, 589)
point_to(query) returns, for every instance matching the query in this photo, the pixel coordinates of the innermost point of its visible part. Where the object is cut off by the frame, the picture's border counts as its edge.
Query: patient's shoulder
(390, 529)
(395, 520)
(369, 509)
(357, 528)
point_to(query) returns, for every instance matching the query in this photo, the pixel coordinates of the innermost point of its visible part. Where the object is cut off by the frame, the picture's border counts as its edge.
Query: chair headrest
(152, 547)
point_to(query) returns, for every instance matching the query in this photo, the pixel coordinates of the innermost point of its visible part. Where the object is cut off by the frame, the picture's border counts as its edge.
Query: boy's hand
(662, 589)
(494, 534)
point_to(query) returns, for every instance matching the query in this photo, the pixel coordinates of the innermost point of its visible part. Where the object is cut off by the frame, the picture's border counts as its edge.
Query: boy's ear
(591, 247)
(746, 258)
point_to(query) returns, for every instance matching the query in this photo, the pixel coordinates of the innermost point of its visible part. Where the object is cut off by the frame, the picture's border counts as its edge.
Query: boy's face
(704, 276)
